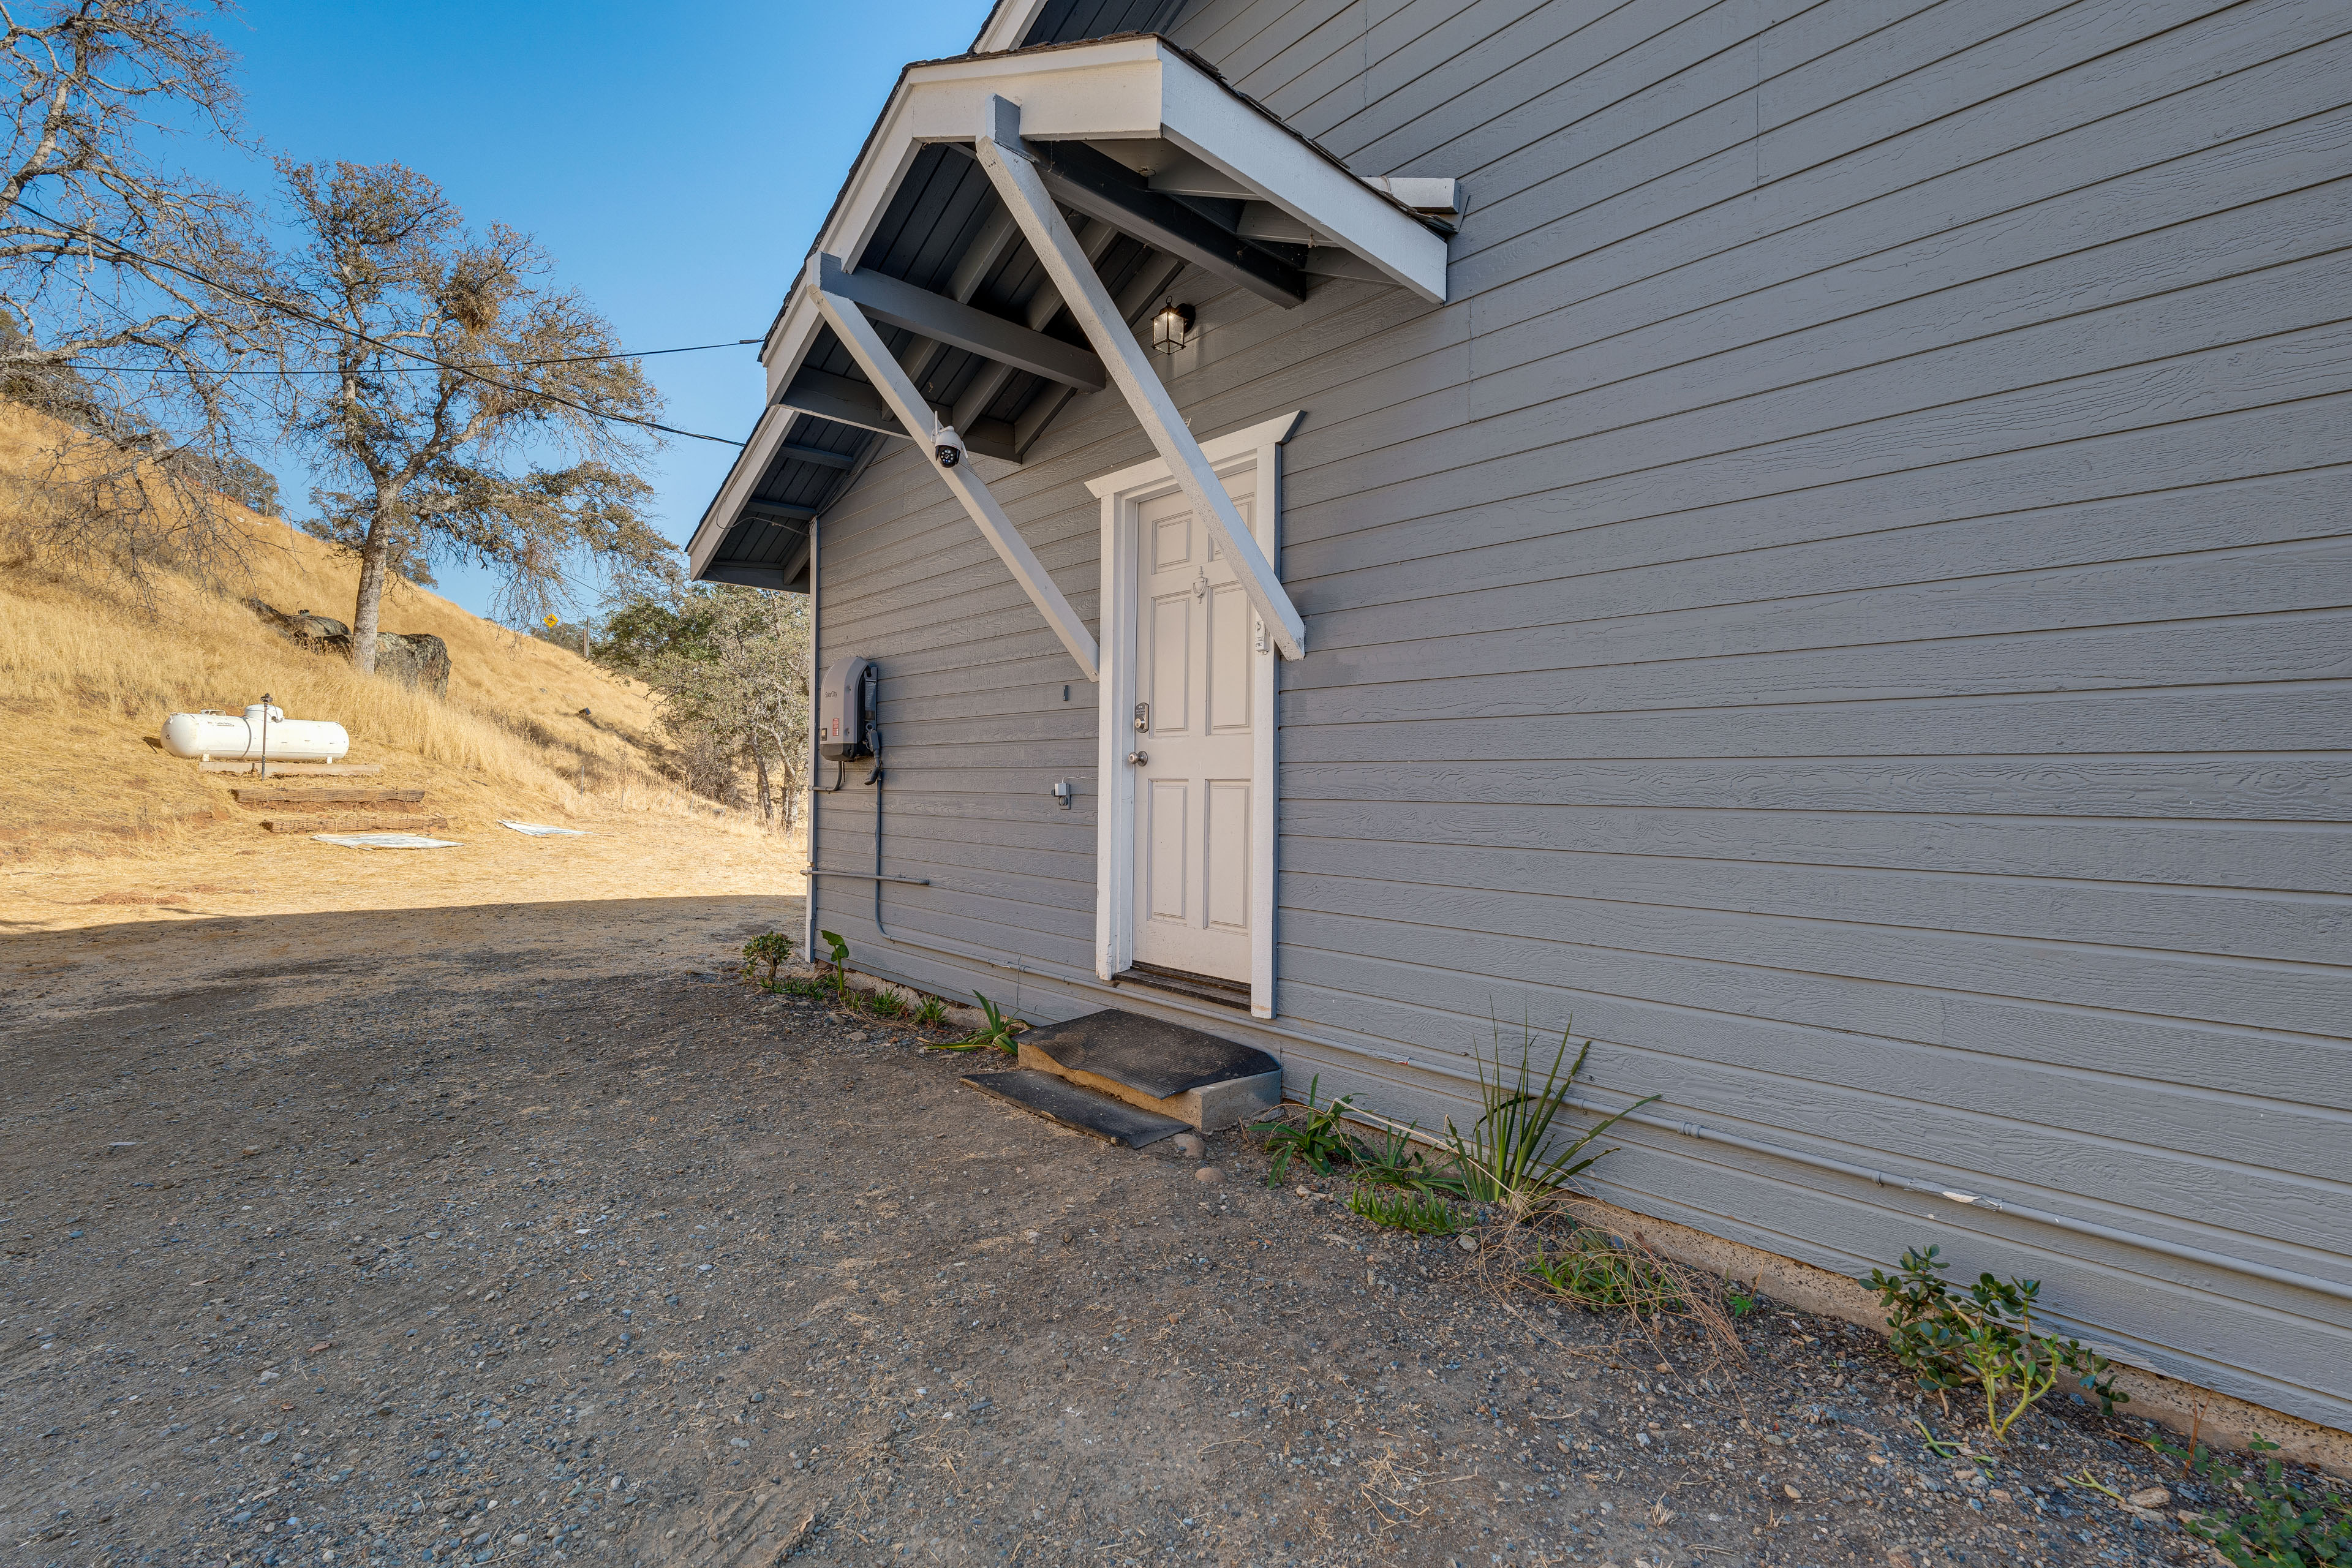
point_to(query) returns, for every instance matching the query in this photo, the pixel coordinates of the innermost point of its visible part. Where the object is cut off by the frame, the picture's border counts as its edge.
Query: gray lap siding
(1852, 600)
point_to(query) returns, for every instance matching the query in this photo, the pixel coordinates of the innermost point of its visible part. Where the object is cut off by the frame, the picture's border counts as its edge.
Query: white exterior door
(1195, 690)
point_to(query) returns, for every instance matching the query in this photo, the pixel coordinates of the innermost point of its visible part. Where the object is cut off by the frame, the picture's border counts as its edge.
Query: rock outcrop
(301, 626)
(417, 660)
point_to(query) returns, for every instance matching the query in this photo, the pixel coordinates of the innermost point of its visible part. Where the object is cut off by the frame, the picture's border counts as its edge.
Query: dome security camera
(947, 445)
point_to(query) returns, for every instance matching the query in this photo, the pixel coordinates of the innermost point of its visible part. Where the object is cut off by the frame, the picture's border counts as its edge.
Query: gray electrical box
(844, 709)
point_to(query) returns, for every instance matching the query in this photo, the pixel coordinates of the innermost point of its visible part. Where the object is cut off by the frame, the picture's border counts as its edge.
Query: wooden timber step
(291, 769)
(1167, 1070)
(1208, 988)
(347, 794)
(1082, 1109)
(394, 822)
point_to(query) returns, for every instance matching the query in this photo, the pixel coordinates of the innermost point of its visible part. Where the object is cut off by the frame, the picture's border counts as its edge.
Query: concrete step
(1058, 1100)
(1165, 1068)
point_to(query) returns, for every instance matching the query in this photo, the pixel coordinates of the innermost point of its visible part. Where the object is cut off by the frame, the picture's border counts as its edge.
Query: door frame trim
(1258, 451)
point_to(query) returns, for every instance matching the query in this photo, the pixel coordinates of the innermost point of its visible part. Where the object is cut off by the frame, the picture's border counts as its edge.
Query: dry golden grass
(89, 669)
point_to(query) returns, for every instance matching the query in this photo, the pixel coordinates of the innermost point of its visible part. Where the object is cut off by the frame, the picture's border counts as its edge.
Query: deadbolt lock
(1142, 718)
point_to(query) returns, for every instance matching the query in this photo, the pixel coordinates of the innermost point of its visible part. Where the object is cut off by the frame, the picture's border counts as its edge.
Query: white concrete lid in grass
(386, 841)
(540, 830)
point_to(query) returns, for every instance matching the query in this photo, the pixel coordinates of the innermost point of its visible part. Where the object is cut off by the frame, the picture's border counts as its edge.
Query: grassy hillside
(88, 673)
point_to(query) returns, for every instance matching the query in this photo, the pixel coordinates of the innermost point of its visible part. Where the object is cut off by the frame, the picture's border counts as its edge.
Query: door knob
(1137, 759)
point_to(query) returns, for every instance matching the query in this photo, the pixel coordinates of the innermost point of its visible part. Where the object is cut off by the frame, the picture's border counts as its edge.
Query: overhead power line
(422, 369)
(300, 313)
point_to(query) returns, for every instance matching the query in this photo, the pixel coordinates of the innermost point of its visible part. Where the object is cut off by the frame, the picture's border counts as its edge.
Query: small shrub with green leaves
(886, 1004)
(2284, 1526)
(766, 952)
(1601, 1274)
(995, 1033)
(1983, 1336)
(932, 1014)
(1405, 1208)
(1738, 1302)
(1315, 1140)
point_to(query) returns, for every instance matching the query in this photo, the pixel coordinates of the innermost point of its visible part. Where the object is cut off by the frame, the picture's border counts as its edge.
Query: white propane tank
(213, 733)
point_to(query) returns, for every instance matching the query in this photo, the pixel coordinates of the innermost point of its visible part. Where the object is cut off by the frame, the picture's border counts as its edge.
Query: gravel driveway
(539, 1246)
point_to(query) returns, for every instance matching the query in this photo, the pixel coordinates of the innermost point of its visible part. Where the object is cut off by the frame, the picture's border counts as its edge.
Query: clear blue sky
(674, 161)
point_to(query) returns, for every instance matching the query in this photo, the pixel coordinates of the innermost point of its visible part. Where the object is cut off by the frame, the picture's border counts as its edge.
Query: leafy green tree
(517, 441)
(730, 666)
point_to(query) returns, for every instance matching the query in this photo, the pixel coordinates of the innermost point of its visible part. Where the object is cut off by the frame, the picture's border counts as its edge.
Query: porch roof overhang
(1156, 164)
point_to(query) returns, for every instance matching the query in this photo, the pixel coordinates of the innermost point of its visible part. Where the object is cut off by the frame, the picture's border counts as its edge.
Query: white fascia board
(1422, 194)
(1119, 89)
(1006, 25)
(1202, 117)
(1109, 92)
(742, 479)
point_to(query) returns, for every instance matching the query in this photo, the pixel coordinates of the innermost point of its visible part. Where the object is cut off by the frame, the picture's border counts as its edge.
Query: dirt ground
(234, 869)
(521, 1231)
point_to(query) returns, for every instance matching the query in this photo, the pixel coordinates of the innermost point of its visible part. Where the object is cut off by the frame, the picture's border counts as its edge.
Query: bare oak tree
(468, 408)
(127, 289)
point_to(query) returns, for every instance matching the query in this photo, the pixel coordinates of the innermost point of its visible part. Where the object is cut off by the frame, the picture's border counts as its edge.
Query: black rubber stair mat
(1058, 1100)
(1160, 1059)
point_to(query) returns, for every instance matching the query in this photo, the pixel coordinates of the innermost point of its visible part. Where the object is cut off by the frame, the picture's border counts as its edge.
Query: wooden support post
(865, 346)
(1015, 177)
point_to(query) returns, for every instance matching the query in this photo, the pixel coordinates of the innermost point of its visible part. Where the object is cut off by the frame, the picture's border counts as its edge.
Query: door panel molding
(1249, 461)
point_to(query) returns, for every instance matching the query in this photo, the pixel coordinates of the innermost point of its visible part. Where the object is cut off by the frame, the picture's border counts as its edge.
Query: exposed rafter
(988, 250)
(793, 451)
(941, 320)
(1043, 306)
(1102, 187)
(865, 346)
(1156, 274)
(841, 400)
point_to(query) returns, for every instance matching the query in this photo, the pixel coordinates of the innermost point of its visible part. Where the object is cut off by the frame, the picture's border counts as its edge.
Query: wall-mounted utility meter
(846, 710)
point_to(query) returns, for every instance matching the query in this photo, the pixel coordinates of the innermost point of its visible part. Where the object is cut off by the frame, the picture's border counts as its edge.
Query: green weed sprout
(996, 1034)
(839, 962)
(1316, 1143)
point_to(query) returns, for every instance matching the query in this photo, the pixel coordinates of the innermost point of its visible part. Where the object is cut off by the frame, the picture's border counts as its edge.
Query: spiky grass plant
(1517, 1156)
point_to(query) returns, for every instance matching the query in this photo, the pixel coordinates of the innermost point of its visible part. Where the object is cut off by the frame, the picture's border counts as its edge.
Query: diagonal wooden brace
(1015, 175)
(865, 346)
